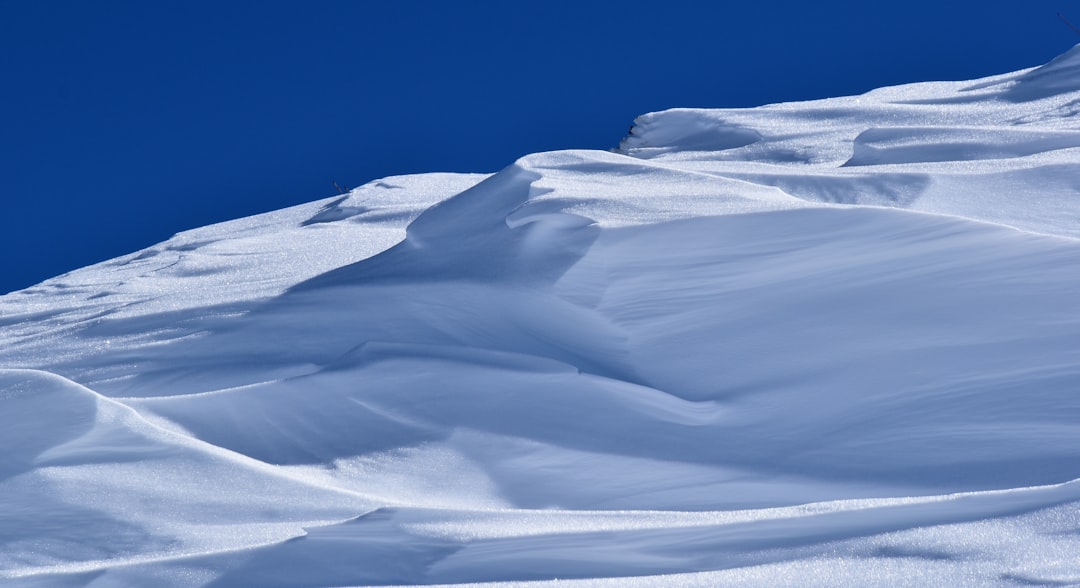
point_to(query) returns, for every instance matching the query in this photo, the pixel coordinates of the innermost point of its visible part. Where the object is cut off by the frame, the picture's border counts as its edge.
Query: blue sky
(125, 122)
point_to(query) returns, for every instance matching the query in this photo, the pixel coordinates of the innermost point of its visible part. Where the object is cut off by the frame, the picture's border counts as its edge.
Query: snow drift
(820, 343)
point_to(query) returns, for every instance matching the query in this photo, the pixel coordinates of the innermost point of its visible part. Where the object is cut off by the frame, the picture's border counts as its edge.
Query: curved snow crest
(535, 218)
(685, 129)
(641, 193)
(542, 548)
(49, 420)
(201, 280)
(988, 150)
(236, 262)
(902, 145)
(86, 482)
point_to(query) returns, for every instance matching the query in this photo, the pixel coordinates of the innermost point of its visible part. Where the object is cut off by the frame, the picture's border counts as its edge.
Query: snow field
(822, 343)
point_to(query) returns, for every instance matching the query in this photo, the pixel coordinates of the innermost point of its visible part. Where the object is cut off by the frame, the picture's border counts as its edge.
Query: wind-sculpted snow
(87, 483)
(823, 343)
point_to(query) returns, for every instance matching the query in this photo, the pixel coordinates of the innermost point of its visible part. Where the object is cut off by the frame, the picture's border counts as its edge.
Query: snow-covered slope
(823, 343)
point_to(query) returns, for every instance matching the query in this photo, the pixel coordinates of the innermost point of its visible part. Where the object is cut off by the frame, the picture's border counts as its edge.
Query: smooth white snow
(823, 343)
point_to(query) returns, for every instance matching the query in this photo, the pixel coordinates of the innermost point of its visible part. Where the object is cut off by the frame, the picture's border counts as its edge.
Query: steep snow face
(834, 342)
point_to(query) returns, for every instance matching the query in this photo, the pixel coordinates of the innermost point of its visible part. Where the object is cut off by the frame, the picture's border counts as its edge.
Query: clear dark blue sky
(127, 121)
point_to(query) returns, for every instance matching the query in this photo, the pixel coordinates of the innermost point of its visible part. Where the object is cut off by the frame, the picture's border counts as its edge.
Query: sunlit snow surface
(812, 344)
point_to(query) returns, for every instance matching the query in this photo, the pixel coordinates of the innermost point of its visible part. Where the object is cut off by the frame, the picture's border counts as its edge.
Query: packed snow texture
(821, 343)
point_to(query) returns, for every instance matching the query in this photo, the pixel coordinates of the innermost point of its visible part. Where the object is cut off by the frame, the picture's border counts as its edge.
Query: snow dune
(823, 343)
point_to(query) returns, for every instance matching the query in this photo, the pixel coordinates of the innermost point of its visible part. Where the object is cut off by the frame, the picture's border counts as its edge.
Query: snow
(823, 343)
